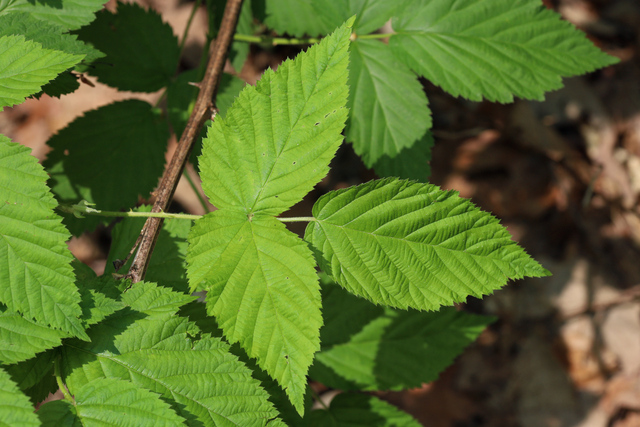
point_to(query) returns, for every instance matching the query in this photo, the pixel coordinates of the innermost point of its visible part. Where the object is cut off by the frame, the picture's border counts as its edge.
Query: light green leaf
(167, 266)
(259, 277)
(374, 348)
(294, 17)
(494, 50)
(150, 299)
(49, 35)
(142, 52)
(278, 138)
(202, 381)
(99, 299)
(407, 244)
(409, 163)
(71, 14)
(21, 339)
(15, 408)
(360, 410)
(98, 172)
(25, 66)
(370, 14)
(109, 401)
(36, 275)
(388, 107)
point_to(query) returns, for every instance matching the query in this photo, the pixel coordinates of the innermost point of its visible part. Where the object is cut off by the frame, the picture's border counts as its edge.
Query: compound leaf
(25, 66)
(36, 275)
(15, 408)
(278, 138)
(77, 167)
(110, 401)
(259, 277)
(141, 51)
(407, 244)
(70, 14)
(359, 410)
(493, 50)
(203, 382)
(387, 349)
(388, 107)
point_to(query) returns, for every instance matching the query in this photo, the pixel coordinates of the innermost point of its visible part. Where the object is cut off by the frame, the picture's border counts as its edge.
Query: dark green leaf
(142, 52)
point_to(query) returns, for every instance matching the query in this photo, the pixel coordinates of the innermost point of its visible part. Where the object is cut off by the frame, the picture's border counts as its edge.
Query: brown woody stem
(203, 109)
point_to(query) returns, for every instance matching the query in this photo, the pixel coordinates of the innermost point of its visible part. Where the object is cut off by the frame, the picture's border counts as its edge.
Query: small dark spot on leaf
(317, 123)
(294, 163)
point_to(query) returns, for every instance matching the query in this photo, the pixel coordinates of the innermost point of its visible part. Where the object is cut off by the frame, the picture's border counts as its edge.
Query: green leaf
(259, 277)
(409, 163)
(49, 35)
(354, 410)
(65, 83)
(124, 159)
(25, 66)
(71, 14)
(278, 138)
(142, 52)
(96, 306)
(294, 17)
(202, 381)
(15, 408)
(167, 265)
(407, 244)
(370, 14)
(371, 348)
(150, 299)
(35, 376)
(21, 339)
(494, 50)
(37, 278)
(388, 106)
(109, 401)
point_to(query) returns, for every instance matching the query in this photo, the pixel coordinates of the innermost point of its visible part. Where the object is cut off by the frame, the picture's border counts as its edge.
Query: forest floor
(563, 175)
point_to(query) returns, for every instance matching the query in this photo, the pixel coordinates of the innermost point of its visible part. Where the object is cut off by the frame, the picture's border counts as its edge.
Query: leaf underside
(407, 244)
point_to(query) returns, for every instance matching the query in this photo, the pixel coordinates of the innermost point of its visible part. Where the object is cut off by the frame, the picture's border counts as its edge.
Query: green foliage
(37, 280)
(76, 168)
(14, 407)
(141, 51)
(394, 252)
(108, 401)
(495, 51)
(25, 66)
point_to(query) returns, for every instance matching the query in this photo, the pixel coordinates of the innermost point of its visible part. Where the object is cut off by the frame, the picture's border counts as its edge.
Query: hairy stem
(203, 109)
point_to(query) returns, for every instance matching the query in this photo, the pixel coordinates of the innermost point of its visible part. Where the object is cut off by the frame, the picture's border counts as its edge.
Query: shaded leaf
(98, 172)
(410, 163)
(353, 410)
(494, 50)
(35, 376)
(374, 348)
(370, 14)
(294, 17)
(141, 51)
(407, 244)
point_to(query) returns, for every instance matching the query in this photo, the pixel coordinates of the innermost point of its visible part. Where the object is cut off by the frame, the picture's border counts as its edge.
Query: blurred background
(563, 175)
